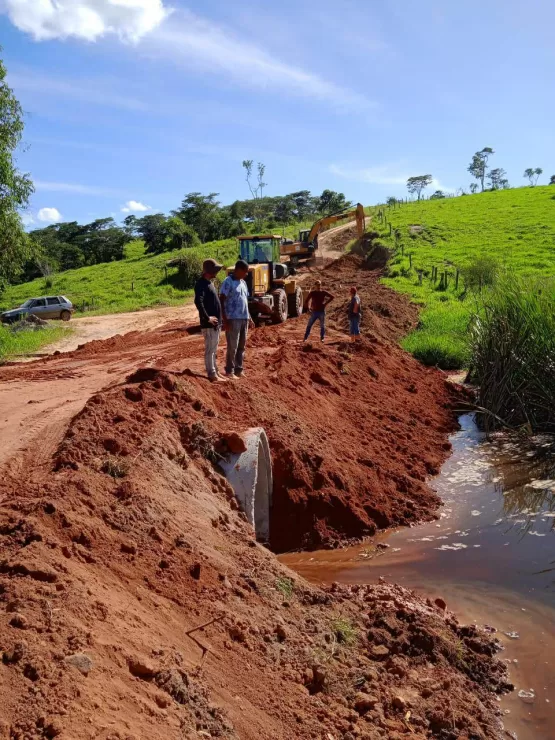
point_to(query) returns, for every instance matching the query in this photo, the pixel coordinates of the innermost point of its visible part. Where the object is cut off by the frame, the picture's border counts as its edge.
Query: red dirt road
(360, 464)
(119, 536)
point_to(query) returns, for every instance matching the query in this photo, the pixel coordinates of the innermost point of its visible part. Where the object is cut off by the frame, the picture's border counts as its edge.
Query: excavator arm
(350, 215)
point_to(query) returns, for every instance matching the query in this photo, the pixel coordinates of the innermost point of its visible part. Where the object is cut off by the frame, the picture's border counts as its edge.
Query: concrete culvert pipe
(250, 475)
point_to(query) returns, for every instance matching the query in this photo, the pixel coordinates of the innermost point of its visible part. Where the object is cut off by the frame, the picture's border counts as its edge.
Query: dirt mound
(137, 604)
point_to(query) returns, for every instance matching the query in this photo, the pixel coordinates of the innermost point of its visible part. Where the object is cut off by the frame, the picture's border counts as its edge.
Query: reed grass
(512, 344)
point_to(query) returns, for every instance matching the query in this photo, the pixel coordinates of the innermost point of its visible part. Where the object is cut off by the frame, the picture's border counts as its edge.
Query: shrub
(189, 269)
(513, 353)
(480, 273)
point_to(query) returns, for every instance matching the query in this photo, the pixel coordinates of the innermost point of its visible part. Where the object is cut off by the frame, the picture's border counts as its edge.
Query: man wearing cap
(210, 314)
(317, 301)
(234, 297)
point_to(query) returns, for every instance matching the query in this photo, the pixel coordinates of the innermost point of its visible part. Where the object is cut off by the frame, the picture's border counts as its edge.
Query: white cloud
(85, 19)
(134, 206)
(49, 215)
(382, 175)
(188, 39)
(68, 187)
(197, 42)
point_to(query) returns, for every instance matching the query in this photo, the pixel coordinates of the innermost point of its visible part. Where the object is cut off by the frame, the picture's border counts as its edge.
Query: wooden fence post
(410, 260)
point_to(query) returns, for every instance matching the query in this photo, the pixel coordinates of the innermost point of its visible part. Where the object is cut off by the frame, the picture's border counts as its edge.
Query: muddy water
(491, 556)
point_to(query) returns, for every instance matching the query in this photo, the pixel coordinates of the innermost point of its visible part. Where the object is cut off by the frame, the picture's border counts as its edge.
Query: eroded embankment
(133, 538)
(130, 537)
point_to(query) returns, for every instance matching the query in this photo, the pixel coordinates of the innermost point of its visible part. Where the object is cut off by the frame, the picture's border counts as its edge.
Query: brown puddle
(491, 557)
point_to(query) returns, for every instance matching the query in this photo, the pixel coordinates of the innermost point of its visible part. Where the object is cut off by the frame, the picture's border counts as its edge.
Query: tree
(479, 164)
(302, 204)
(438, 195)
(504, 184)
(15, 188)
(152, 229)
(552, 180)
(255, 186)
(391, 201)
(130, 224)
(102, 241)
(332, 202)
(200, 212)
(179, 234)
(533, 175)
(418, 183)
(496, 178)
(286, 210)
(473, 187)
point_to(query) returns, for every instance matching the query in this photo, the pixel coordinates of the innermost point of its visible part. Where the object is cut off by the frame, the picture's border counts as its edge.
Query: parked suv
(47, 307)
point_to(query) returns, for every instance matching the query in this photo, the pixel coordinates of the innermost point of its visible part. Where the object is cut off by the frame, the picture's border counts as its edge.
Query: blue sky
(141, 101)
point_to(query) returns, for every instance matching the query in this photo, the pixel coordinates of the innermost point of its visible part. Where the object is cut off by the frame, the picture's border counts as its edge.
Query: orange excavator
(307, 245)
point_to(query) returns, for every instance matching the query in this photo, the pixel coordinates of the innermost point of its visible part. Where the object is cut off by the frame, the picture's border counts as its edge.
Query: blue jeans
(354, 325)
(314, 317)
(236, 337)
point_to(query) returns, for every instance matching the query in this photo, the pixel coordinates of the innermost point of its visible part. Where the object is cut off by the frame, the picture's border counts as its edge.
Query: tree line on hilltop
(200, 218)
(496, 178)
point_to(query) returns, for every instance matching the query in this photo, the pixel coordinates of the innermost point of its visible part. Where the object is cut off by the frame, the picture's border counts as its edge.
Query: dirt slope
(118, 535)
(131, 537)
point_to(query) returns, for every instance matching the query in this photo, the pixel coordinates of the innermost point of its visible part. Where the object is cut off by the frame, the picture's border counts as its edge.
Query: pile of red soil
(132, 539)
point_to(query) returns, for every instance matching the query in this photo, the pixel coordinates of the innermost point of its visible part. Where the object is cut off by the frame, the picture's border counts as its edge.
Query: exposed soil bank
(131, 538)
(127, 537)
(354, 431)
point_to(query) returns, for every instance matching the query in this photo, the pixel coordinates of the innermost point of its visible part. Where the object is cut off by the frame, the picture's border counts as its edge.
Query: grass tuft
(344, 631)
(285, 586)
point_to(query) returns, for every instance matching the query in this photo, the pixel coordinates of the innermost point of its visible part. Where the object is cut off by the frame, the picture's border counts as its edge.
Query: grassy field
(138, 281)
(512, 229)
(14, 343)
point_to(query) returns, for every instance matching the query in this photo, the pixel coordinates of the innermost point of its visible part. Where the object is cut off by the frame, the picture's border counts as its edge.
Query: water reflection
(491, 555)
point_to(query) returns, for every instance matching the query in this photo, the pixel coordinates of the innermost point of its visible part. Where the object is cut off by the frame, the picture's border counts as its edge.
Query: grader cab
(274, 295)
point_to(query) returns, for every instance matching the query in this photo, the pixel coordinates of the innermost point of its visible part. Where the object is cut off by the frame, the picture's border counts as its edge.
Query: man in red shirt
(316, 302)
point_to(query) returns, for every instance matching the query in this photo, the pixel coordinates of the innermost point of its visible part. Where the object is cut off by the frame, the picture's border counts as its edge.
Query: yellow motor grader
(274, 295)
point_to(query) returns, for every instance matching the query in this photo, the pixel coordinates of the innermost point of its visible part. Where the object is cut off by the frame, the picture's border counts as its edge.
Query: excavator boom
(308, 241)
(352, 214)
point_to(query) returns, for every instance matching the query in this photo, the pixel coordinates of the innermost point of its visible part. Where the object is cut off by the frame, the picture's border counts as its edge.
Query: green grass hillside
(513, 228)
(136, 282)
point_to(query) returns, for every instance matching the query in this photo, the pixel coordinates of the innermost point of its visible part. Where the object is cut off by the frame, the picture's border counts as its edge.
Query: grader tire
(280, 306)
(295, 303)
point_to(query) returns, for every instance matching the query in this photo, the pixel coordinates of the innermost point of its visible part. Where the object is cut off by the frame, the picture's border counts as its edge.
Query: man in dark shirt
(210, 314)
(316, 302)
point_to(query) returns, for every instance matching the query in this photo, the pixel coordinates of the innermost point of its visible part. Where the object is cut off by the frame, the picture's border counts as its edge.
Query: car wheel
(65, 316)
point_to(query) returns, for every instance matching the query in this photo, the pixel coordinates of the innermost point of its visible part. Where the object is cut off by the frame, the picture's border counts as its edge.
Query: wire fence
(441, 279)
